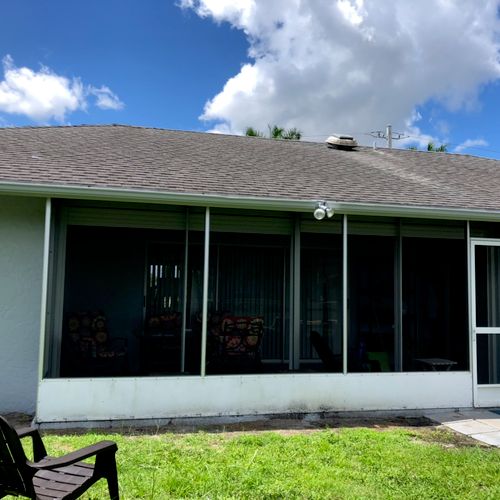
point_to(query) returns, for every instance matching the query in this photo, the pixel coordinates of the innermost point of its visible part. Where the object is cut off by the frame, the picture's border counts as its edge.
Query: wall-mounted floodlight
(322, 210)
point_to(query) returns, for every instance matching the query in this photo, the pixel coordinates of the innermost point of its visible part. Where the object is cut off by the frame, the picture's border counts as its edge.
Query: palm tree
(292, 134)
(252, 132)
(276, 132)
(443, 148)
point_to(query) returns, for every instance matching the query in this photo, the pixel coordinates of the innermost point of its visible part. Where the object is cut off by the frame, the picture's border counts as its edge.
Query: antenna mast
(388, 135)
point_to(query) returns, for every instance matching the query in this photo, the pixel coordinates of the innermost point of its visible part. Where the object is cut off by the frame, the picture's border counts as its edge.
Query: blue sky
(162, 62)
(251, 62)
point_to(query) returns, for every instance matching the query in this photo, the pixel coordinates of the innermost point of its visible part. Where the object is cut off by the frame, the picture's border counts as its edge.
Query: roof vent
(341, 141)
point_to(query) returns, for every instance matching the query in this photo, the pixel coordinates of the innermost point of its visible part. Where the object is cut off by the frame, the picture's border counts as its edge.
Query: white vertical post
(45, 281)
(471, 287)
(217, 279)
(184, 294)
(296, 295)
(291, 299)
(284, 328)
(389, 136)
(59, 276)
(204, 315)
(344, 295)
(398, 301)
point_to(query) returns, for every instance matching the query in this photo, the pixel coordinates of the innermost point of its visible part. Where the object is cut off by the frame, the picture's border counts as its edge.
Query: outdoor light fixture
(322, 210)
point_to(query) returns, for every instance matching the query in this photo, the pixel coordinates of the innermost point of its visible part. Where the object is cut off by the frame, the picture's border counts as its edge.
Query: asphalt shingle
(124, 157)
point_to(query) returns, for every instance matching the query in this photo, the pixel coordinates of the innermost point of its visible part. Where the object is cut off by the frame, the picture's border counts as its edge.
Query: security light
(322, 210)
(319, 213)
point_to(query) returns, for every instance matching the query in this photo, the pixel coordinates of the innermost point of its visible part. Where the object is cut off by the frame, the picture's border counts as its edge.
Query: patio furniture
(379, 361)
(235, 343)
(437, 364)
(160, 344)
(46, 477)
(89, 351)
(331, 363)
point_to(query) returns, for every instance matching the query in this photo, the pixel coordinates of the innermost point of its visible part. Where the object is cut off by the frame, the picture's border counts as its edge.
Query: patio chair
(46, 477)
(235, 344)
(331, 363)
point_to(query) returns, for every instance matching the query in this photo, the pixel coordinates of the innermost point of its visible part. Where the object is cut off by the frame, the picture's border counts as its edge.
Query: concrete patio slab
(494, 422)
(469, 427)
(491, 438)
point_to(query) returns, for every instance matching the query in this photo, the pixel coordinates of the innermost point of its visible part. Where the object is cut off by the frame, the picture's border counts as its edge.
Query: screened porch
(148, 291)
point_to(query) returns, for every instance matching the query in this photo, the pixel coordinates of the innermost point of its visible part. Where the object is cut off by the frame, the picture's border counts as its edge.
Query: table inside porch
(437, 364)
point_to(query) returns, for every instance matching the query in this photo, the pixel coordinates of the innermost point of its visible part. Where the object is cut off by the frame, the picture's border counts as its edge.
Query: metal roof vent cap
(341, 141)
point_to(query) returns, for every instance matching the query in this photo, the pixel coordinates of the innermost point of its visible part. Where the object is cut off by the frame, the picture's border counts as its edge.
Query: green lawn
(419, 463)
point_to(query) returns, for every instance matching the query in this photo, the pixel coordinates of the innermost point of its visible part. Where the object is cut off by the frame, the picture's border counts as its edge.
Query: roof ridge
(145, 127)
(365, 148)
(78, 125)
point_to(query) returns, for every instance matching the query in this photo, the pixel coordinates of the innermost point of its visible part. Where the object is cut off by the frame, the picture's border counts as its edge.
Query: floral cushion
(165, 323)
(241, 334)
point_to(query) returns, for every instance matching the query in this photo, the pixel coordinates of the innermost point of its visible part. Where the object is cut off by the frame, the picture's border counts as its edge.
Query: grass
(402, 463)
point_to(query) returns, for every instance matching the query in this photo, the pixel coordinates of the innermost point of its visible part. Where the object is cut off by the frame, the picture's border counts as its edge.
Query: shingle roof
(135, 158)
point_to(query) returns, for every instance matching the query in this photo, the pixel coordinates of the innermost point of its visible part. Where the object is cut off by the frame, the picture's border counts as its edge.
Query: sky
(430, 68)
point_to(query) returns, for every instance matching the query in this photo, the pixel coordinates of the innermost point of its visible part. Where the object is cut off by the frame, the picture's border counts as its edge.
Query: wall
(165, 397)
(21, 256)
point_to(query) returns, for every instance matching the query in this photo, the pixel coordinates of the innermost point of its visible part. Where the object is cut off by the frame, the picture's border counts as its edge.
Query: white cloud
(352, 65)
(413, 135)
(237, 12)
(470, 143)
(39, 95)
(351, 11)
(105, 98)
(43, 95)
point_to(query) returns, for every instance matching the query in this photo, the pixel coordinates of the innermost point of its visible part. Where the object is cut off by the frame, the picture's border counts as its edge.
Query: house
(150, 273)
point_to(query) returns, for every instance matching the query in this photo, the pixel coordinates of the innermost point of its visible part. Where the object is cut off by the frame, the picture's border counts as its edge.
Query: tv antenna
(388, 135)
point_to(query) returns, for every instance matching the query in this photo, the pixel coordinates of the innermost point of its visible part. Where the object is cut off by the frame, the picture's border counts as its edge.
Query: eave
(242, 202)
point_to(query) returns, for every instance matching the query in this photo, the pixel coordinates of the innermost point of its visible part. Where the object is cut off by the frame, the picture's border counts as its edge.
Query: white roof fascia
(412, 211)
(243, 202)
(145, 196)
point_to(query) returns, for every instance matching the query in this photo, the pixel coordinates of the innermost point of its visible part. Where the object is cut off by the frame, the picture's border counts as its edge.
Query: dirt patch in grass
(425, 431)
(422, 430)
(283, 424)
(305, 424)
(445, 437)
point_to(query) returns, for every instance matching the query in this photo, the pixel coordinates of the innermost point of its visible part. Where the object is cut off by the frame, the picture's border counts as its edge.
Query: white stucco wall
(167, 397)
(21, 256)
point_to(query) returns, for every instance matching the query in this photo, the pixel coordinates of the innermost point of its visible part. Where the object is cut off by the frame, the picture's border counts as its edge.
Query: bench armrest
(39, 452)
(26, 431)
(76, 456)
